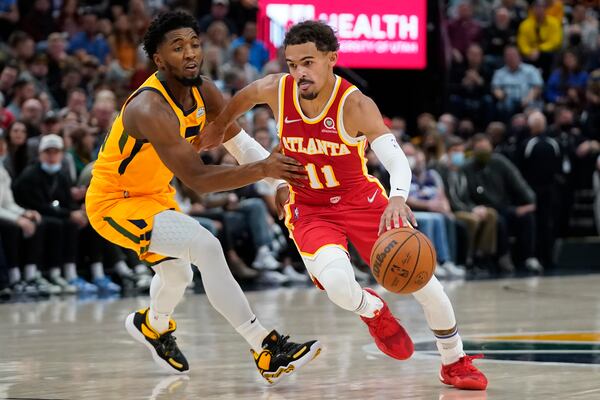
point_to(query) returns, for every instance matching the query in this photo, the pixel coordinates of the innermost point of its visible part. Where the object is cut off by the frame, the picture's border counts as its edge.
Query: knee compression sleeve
(331, 266)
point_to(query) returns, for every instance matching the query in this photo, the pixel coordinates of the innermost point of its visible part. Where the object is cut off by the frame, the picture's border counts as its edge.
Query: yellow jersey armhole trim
(344, 136)
(280, 96)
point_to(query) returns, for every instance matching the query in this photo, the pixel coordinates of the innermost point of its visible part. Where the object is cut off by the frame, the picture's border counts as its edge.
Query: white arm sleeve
(388, 151)
(247, 150)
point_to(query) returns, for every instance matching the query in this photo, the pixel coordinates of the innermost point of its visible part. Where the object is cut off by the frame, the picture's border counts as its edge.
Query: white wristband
(388, 151)
(247, 150)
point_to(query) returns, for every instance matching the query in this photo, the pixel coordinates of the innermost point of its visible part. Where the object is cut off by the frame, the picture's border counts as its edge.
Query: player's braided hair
(317, 32)
(163, 23)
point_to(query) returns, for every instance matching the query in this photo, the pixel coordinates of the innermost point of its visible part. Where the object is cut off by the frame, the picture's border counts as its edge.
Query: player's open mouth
(304, 85)
(191, 67)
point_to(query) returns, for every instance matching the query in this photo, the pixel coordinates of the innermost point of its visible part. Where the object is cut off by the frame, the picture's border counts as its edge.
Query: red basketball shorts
(355, 217)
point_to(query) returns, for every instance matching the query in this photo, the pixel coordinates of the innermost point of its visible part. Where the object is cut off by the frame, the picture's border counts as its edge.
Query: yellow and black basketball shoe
(280, 358)
(162, 346)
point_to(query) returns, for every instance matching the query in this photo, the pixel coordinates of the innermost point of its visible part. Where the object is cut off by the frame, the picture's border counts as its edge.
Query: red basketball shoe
(389, 335)
(463, 374)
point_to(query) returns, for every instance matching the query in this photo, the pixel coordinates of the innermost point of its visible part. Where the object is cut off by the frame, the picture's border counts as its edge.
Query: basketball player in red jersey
(325, 123)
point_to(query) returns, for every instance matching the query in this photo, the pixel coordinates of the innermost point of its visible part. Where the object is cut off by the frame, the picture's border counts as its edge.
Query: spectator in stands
(495, 182)
(277, 65)
(83, 143)
(211, 65)
(567, 83)
(89, 41)
(57, 59)
(502, 141)
(540, 160)
(239, 63)
(218, 12)
(471, 87)
(123, 45)
(463, 31)
(516, 11)
(32, 114)
(39, 22)
(9, 16)
(583, 17)
(24, 90)
(516, 85)
(23, 240)
(258, 54)
(480, 221)
(430, 205)
(16, 158)
(218, 37)
(39, 74)
(6, 117)
(433, 147)
(45, 188)
(592, 95)
(497, 36)
(8, 78)
(77, 104)
(540, 37)
(22, 48)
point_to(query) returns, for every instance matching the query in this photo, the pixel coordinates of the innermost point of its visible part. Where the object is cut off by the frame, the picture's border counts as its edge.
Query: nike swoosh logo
(290, 121)
(253, 320)
(372, 198)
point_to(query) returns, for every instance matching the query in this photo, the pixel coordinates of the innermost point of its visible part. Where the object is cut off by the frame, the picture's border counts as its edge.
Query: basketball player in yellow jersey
(325, 122)
(131, 203)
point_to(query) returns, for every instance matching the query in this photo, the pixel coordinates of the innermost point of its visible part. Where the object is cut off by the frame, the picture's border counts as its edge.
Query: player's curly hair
(317, 32)
(163, 23)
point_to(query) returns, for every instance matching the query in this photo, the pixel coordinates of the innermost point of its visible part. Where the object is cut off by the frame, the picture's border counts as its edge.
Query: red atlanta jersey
(334, 160)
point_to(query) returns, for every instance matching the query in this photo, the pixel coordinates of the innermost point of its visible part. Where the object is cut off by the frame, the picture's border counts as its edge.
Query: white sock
(122, 269)
(254, 333)
(262, 252)
(14, 275)
(97, 270)
(54, 272)
(70, 270)
(140, 269)
(450, 347)
(368, 305)
(31, 272)
(159, 321)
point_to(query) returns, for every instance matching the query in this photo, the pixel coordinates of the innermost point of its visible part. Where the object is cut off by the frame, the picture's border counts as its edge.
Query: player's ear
(158, 61)
(333, 56)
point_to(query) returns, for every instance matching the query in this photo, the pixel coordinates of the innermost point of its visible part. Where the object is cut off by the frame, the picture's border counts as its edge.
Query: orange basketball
(403, 260)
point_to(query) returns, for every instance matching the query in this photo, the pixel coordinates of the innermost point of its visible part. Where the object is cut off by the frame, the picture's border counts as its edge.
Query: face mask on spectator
(482, 157)
(457, 158)
(51, 168)
(412, 161)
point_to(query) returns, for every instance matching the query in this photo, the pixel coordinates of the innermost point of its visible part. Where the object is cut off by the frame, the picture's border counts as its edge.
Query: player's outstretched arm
(362, 117)
(149, 117)
(262, 91)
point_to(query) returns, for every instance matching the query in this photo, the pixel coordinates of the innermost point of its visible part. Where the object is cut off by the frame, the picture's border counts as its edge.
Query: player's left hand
(281, 199)
(210, 137)
(394, 212)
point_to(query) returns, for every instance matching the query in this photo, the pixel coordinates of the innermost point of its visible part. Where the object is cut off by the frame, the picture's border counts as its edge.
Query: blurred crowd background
(510, 166)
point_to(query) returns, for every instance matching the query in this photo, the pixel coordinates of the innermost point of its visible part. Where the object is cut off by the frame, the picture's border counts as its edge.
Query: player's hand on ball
(210, 137)
(396, 211)
(281, 199)
(283, 167)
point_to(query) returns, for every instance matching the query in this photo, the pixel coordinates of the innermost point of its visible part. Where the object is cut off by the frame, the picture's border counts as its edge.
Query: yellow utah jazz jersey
(130, 184)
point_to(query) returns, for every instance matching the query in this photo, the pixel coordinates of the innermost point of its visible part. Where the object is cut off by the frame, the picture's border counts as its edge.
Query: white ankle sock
(254, 333)
(54, 272)
(450, 347)
(122, 269)
(70, 270)
(368, 305)
(97, 270)
(31, 272)
(140, 269)
(14, 275)
(159, 321)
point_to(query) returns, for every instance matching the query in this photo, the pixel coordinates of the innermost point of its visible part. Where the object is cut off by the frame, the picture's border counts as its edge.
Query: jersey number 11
(314, 180)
